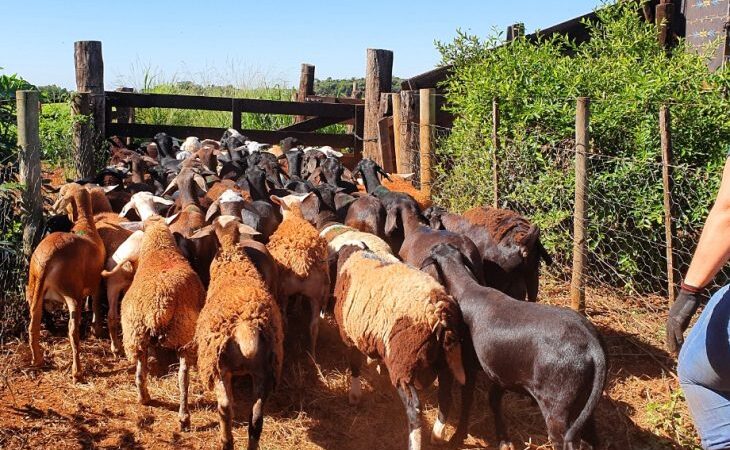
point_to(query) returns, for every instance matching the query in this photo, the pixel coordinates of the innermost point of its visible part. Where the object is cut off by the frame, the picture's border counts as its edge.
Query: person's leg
(704, 372)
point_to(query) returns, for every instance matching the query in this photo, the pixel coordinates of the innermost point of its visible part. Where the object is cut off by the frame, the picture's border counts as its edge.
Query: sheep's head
(369, 170)
(230, 203)
(291, 204)
(396, 212)
(433, 215)
(145, 203)
(228, 230)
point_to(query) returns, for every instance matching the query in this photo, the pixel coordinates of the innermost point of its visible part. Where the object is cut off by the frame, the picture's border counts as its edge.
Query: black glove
(680, 314)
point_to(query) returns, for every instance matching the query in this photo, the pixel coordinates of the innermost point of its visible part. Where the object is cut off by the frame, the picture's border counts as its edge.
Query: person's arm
(712, 252)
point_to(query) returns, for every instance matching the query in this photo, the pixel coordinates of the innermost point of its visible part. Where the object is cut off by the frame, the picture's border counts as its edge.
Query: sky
(247, 43)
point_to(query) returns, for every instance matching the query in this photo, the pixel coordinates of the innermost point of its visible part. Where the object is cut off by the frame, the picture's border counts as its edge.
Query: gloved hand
(680, 315)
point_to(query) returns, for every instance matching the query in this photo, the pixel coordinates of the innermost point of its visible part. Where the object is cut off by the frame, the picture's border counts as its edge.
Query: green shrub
(628, 76)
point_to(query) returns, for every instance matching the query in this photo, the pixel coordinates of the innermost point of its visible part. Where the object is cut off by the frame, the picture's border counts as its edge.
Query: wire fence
(13, 266)
(626, 242)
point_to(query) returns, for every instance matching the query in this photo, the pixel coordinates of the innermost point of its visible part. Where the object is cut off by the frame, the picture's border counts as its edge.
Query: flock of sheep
(205, 244)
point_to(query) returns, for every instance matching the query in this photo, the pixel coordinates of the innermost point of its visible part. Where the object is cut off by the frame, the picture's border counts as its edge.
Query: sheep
(394, 313)
(239, 330)
(509, 245)
(553, 353)
(332, 170)
(419, 238)
(302, 258)
(65, 267)
(161, 306)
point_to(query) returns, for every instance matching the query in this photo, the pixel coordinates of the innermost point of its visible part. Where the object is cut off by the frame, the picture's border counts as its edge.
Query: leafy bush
(56, 133)
(628, 76)
(8, 132)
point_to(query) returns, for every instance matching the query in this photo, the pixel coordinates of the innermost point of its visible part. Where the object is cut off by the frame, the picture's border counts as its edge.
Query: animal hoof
(437, 433)
(144, 400)
(78, 378)
(506, 446)
(185, 424)
(354, 399)
(96, 331)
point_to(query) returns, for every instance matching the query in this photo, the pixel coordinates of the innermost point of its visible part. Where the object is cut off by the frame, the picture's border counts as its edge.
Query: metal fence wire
(626, 243)
(13, 266)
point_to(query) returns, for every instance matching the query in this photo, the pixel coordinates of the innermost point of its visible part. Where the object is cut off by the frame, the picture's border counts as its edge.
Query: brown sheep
(66, 267)
(240, 330)
(302, 258)
(396, 314)
(161, 307)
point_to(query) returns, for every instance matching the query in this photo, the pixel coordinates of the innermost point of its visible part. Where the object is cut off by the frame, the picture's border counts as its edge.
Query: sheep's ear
(391, 221)
(110, 188)
(132, 226)
(212, 210)
(200, 181)
(171, 219)
(203, 232)
(162, 201)
(429, 261)
(278, 200)
(172, 187)
(245, 229)
(126, 208)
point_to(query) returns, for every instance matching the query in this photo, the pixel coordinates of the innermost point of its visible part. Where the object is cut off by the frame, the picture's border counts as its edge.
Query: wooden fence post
(125, 115)
(306, 87)
(582, 138)
(27, 103)
(668, 183)
(83, 135)
(378, 79)
(90, 78)
(410, 130)
(400, 159)
(427, 121)
(664, 16)
(495, 151)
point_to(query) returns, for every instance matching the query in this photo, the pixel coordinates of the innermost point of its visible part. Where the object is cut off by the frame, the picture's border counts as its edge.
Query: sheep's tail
(248, 339)
(449, 323)
(599, 378)
(35, 285)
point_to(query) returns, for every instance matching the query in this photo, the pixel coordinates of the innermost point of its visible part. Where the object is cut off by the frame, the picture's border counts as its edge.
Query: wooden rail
(322, 114)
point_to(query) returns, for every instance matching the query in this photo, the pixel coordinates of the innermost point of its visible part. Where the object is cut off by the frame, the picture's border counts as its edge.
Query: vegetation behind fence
(628, 77)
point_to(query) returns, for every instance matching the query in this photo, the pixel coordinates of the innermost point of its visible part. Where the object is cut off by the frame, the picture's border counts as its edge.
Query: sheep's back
(388, 311)
(164, 300)
(341, 235)
(297, 247)
(240, 301)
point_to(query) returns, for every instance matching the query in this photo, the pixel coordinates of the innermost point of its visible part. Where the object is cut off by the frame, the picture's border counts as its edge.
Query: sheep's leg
(261, 389)
(140, 377)
(495, 404)
(446, 380)
(590, 434)
(96, 315)
(316, 309)
(467, 397)
(532, 283)
(34, 332)
(409, 396)
(557, 425)
(113, 294)
(74, 319)
(356, 360)
(224, 394)
(183, 381)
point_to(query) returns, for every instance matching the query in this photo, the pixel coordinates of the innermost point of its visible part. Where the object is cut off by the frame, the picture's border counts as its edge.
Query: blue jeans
(704, 372)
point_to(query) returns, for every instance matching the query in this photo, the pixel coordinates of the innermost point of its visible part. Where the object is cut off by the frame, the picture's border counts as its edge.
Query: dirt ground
(642, 407)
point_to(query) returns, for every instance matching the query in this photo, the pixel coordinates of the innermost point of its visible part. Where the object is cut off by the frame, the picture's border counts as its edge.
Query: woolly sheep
(162, 307)
(240, 330)
(302, 258)
(399, 315)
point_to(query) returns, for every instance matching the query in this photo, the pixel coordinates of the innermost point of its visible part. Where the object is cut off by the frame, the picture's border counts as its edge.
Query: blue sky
(246, 42)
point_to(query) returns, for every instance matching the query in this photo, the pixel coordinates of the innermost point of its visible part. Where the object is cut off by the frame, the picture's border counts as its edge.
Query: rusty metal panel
(707, 25)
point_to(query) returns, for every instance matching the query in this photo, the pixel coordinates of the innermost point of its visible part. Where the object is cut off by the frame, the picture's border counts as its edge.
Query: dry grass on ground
(643, 408)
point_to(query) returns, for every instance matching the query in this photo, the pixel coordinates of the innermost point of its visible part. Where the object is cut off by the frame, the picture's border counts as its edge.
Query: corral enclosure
(643, 407)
